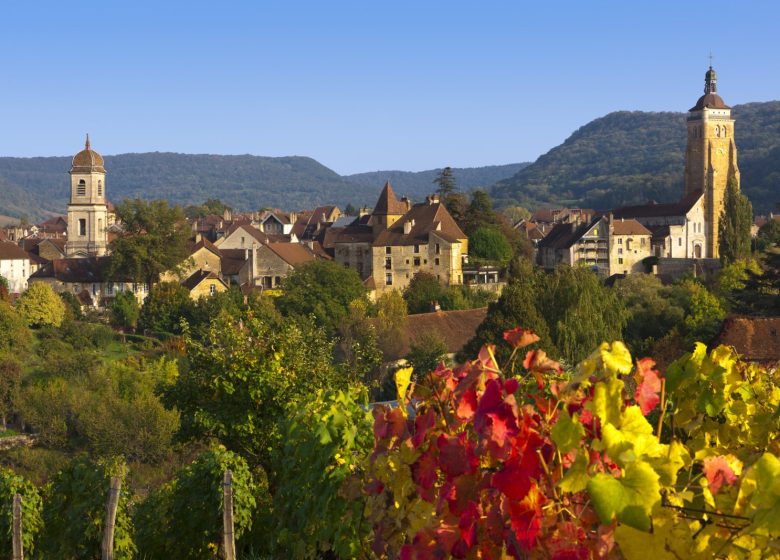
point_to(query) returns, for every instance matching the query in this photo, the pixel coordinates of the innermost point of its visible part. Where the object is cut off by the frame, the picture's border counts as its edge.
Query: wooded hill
(38, 186)
(632, 157)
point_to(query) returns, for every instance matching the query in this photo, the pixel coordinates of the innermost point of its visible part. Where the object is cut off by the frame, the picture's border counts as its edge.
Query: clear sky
(367, 85)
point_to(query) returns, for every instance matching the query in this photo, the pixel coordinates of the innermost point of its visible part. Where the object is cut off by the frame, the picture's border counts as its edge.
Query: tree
(445, 183)
(10, 381)
(322, 289)
(4, 292)
(212, 206)
(424, 292)
(735, 222)
(425, 353)
(244, 376)
(350, 210)
(154, 240)
(516, 213)
(391, 312)
(357, 349)
(125, 311)
(489, 244)
(15, 337)
(40, 306)
(72, 306)
(11, 484)
(480, 212)
(165, 307)
(770, 232)
(705, 314)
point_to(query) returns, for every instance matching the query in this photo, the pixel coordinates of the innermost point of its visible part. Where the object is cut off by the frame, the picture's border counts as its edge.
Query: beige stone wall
(626, 253)
(204, 289)
(91, 207)
(270, 268)
(357, 256)
(202, 259)
(438, 257)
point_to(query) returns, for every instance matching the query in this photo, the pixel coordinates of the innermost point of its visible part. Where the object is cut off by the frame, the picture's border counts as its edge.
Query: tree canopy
(40, 306)
(736, 220)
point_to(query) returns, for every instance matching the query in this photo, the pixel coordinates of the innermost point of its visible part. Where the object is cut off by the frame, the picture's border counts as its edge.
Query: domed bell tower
(711, 156)
(87, 210)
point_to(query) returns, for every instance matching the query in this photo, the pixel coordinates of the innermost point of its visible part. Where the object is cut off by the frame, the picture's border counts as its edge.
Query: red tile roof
(756, 339)
(293, 254)
(388, 203)
(629, 227)
(12, 251)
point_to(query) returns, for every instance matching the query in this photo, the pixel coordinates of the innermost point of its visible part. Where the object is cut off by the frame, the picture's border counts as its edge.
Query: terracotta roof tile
(756, 339)
(388, 203)
(293, 254)
(629, 227)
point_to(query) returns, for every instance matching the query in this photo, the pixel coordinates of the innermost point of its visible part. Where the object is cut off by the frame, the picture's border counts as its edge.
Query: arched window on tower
(81, 189)
(100, 188)
(725, 132)
(717, 132)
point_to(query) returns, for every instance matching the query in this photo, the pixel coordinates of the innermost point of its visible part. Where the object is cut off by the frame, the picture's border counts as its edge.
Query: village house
(398, 240)
(14, 266)
(203, 283)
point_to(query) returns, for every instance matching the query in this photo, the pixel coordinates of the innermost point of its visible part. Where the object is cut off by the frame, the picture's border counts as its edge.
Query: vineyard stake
(16, 535)
(107, 548)
(228, 538)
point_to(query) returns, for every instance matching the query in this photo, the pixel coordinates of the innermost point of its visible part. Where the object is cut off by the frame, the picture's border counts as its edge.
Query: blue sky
(362, 86)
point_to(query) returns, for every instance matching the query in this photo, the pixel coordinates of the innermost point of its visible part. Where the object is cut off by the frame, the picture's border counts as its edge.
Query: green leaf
(628, 499)
(567, 432)
(576, 478)
(607, 400)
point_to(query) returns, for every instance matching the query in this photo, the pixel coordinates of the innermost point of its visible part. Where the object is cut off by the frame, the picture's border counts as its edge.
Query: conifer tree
(735, 223)
(445, 181)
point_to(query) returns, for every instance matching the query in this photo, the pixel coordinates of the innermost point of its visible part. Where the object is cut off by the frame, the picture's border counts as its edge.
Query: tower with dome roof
(711, 156)
(87, 210)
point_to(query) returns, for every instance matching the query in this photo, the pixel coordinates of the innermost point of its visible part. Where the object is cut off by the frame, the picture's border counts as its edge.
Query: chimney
(198, 237)
(408, 225)
(407, 203)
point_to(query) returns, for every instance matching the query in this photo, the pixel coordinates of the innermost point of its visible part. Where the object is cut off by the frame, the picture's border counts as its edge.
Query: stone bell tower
(711, 156)
(87, 210)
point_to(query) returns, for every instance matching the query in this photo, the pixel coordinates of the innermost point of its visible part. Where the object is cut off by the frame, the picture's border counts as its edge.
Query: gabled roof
(629, 227)
(654, 210)
(388, 203)
(77, 270)
(564, 235)
(194, 246)
(456, 328)
(349, 234)
(251, 230)
(199, 276)
(756, 339)
(233, 260)
(293, 254)
(425, 219)
(12, 251)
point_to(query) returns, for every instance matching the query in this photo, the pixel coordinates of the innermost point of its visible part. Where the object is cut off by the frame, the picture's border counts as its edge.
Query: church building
(87, 209)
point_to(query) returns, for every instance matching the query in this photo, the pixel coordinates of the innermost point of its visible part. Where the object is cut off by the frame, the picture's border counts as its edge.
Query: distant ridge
(632, 157)
(420, 183)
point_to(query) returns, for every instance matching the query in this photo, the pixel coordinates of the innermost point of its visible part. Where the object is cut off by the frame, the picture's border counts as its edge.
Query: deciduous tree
(40, 306)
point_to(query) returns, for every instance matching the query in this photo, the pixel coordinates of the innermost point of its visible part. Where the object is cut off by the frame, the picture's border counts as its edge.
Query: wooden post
(16, 534)
(107, 547)
(228, 538)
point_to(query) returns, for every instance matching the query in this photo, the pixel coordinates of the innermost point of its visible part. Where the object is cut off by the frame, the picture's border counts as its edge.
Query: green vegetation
(425, 291)
(40, 306)
(736, 220)
(488, 245)
(631, 157)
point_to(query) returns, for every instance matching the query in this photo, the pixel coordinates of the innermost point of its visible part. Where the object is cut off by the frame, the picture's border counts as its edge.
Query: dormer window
(81, 189)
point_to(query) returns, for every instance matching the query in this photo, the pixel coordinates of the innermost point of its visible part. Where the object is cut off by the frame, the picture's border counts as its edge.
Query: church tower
(711, 156)
(87, 210)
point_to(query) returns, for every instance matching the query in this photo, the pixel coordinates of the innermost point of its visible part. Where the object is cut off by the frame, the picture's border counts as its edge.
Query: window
(628, 245)
(642, 242)
(242, 241)
(100, 188)
(620, 240)
(416, 261)
(81, 189)
(416, 248)
(436, 261)
(109, 289)
(438, 249)
(620, 260)
(82, 226)
(212, 289)
(388, 250)
(389, 279)
(135, 288)
(144, 287)
(388, 263)
(278, 280)
(620, 251)
(679, 242)
(94, 289)
(100, 225)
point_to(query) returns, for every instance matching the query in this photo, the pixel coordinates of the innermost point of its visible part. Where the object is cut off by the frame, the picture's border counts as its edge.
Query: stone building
(398, 240)
(14, 266)
(87, 209)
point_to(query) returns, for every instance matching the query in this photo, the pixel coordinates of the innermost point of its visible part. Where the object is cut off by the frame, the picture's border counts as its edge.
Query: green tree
(488, 244)
(183, 519)
(10, 381)
(770, 232)
(480, 212)
(423, 292)
(445, 183)
(322, 289)
(761, 294)
(74, 512)
(357, 349)
(425, 353)
(40, 306)
(391, 312)
(705, 314)
(350, 210)
(212, 206)
(72, 306)
(734, 235)
(15, 337)
(165, 307)
(516, 213)
(125, 310)
(243, 377)
(154, 240)
(4, 291)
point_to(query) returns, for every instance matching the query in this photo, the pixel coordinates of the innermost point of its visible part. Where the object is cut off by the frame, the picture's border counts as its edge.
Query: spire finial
(87, 145)
(710, 60)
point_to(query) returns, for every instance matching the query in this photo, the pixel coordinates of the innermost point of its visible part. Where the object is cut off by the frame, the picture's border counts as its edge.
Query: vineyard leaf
(576, 478)
(607, 400)
(648, 385)
(628, 498)
(403, 378)
(718, 472)
(616, 358)
(567, 432)
(520, 337)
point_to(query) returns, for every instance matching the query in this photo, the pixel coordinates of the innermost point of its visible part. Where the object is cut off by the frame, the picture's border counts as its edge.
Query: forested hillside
(418, 184)
(631, 157)
(34, 186)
